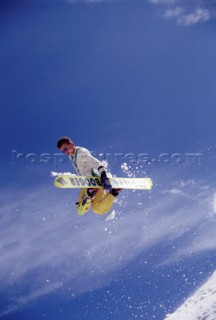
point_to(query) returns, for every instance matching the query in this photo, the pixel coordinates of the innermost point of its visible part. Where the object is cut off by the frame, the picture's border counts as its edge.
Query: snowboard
(73, 181)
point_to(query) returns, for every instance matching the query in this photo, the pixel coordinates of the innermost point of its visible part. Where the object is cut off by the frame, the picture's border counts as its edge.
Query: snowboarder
(87, 165)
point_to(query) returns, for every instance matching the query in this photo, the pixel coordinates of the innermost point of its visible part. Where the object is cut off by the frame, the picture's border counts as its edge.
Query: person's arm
(105, 181)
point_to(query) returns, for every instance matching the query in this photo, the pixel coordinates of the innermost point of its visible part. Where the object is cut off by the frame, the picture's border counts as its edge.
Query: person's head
(66, 145)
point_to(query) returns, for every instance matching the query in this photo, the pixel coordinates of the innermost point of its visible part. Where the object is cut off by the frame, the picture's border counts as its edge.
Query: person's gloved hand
(105, 181)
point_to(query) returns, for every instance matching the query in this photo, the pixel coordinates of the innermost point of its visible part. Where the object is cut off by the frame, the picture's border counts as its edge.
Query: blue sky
(117, 77)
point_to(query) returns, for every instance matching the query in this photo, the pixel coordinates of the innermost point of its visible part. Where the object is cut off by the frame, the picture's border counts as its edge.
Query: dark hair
(63, 140)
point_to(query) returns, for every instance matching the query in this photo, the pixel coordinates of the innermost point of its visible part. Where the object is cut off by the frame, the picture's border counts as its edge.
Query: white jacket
(84, 162)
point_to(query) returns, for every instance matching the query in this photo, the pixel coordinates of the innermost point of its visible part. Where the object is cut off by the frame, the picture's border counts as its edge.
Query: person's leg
(102, 202)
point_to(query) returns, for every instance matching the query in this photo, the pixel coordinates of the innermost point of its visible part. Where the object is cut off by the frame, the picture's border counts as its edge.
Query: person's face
(68, 148)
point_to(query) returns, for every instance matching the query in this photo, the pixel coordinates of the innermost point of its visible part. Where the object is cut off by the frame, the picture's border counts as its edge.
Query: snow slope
(200, 306)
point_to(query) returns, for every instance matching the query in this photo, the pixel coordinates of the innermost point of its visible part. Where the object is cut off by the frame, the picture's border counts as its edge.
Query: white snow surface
(200, 306)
